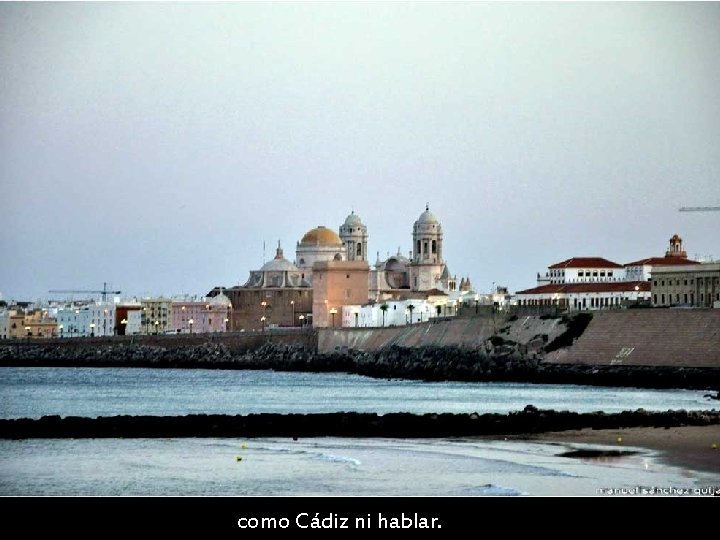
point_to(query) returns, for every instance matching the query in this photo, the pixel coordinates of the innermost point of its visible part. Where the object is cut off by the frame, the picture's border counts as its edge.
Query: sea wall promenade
(645, 348)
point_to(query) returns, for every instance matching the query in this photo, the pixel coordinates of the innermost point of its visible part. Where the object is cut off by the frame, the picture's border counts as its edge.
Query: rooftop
(586, 262)
(595, 287)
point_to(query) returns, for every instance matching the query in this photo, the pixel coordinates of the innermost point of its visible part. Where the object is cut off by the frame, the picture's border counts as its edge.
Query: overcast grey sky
(155, 146)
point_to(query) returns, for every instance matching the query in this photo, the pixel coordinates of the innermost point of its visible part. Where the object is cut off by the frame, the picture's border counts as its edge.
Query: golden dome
(321, 236)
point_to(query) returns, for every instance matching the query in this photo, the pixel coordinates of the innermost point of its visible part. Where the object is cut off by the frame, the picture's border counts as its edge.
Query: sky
(157, 146)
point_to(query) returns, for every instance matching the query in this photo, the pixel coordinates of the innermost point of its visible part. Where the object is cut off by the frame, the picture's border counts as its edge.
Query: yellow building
(155, 317)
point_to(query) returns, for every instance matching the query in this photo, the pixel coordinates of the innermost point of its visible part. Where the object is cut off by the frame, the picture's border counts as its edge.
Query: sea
(314, 466)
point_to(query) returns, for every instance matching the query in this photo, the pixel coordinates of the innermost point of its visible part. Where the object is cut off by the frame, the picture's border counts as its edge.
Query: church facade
(331, 270)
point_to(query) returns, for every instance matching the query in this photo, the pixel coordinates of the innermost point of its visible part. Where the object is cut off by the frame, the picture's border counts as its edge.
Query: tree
(384, 307)
(411, 308)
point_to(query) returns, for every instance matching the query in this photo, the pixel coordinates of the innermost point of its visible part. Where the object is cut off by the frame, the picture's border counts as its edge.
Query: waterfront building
(16, 326)
(4, 323)
(390, 313)
(208, 315)
(690, 285)
(582, 270)
(336, 284)
(276, 295)
(285, 294)
(597, 283)
(89, 320)
(675, 255)
(128, 319)
(582, 296)
(19, 323)
(424, 269)
(155, 317)
(582, 283)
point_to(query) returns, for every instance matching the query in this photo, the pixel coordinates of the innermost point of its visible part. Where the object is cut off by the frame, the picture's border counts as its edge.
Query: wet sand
(687, 447)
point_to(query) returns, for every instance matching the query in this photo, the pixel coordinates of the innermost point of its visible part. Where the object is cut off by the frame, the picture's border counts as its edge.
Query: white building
(4, 324)
(674, 256)
(133, 324)
(398, 313)
(91, 320)
(582, 270)
(581, 296)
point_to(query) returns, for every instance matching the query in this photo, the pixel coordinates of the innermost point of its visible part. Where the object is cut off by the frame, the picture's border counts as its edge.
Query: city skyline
(157, 146)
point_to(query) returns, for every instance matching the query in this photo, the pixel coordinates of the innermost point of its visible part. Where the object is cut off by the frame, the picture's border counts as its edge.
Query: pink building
(200, 316)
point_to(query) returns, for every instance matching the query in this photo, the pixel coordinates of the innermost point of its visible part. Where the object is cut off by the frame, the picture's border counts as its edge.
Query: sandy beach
(688, 447)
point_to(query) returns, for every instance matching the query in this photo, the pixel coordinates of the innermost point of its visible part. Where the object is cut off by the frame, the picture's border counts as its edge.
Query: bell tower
(354, 236)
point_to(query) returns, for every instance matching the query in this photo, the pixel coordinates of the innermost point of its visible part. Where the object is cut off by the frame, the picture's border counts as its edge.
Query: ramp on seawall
(648, 337)
(464, 332)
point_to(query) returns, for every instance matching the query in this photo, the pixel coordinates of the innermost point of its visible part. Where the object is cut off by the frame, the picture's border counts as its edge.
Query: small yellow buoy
(713, 446)
(619, 439)
(238, 458)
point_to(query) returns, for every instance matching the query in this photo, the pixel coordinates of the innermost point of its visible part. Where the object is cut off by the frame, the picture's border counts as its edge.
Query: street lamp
(124, 327)
(333, 311)
(262, 320)
(292, 303)
(227, 329)
(28, 330)
(60, 327)
(637, 288)
(157, 323)
(92, 329)
(301, 318)
(190, 322)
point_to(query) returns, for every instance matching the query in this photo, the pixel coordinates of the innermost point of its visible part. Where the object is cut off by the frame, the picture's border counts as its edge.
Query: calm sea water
(321, 466)
(34, 392)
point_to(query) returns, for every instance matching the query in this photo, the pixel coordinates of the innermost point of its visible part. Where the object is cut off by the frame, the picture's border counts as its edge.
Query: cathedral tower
(354, 237)
(427, 261)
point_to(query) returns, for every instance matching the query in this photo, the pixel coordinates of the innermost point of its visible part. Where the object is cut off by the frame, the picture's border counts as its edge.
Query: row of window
(700, 281)
(595, 273)
(685, 298)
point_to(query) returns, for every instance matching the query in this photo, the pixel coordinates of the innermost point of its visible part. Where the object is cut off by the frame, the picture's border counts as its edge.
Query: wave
(492, 490)
(338, 459)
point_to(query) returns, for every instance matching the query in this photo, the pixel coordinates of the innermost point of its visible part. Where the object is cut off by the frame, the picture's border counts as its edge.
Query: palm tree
(384, 308)
(411, 308)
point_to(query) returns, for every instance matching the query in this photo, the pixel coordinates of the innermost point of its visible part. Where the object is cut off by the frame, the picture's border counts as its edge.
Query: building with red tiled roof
(588, 295)
(596, 282)
(582, 269)
(674, 256)
(586, 262)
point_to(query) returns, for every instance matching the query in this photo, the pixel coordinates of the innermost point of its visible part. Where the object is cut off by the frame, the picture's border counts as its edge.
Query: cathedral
(331, 270)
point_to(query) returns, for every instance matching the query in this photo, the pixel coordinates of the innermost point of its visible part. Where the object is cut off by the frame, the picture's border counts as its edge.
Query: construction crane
(700, 209)
(104, 292)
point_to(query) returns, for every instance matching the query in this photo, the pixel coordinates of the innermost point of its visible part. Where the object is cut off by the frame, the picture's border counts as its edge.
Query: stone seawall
(469, 332)
(648, 337)
(579, 349)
